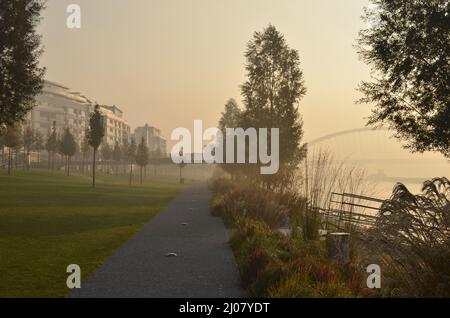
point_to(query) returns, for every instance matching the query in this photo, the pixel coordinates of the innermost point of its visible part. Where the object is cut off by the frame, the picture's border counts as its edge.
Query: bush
(273, 265)
(412, 240)
(233, 200)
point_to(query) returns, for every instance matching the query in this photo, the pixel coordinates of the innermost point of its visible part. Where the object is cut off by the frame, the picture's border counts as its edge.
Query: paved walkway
(204, 267)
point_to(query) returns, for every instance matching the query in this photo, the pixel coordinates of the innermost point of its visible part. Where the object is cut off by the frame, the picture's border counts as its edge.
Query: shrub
(242, 199)
(272, 265)
(412, 240)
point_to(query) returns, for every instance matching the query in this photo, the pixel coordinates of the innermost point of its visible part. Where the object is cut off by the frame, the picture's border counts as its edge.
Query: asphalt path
(202, 263)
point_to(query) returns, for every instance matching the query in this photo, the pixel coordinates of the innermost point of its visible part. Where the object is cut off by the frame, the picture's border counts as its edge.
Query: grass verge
(49, 220)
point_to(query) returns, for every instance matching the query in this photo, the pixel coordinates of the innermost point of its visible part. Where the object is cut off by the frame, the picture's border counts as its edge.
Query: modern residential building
(152, 138)
(116, 127)
(60, 105)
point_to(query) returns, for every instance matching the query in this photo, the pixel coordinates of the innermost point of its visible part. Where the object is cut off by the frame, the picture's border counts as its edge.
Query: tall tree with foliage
(29, 139)
(271, 95)
(68, 147)
(13, 139)
(407, 46)
(142, 156)
(94, 135)
(131, 155)
(21, 77)
(231, 118)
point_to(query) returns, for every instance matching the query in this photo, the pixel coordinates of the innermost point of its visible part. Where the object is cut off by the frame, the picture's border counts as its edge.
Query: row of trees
(27, 140)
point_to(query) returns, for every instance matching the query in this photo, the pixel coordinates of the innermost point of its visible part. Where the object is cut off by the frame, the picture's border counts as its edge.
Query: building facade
(117, 128)
(57, 104)
(152, 138)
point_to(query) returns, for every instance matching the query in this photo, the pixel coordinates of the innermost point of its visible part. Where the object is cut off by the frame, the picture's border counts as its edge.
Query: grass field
(49, 220)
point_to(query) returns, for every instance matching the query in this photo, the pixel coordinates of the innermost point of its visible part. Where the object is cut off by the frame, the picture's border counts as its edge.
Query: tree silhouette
(271, 94)
(231, 118)
(142, 156)
(94, 135)
(68, 147)
(407, 47)
(20, 48)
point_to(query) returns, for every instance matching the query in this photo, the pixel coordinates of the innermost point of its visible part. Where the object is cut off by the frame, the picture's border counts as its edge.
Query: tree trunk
(93, 169)
(68, 166)
(141, 175)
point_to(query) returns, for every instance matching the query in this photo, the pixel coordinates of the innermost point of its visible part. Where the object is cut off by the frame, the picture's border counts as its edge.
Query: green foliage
(274, 265)
(231, 118)
(96, 130)
(142, 156)
(408, 49)
(131, 150)
(271, 93)
(243, 199)
(13, 136)
(21, 77)
(68, 145)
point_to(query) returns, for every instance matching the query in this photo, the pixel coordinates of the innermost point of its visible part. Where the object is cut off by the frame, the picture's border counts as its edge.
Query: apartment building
(58, 104)
(152, 138)
(117, 128)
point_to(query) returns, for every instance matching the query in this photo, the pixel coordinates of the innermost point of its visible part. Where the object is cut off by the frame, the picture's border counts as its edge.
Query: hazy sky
(169, 62)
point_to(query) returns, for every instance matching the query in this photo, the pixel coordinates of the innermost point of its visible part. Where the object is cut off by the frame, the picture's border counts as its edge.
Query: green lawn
(49, 220)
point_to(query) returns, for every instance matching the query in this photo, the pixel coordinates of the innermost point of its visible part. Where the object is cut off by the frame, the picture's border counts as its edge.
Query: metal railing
(347, 211)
